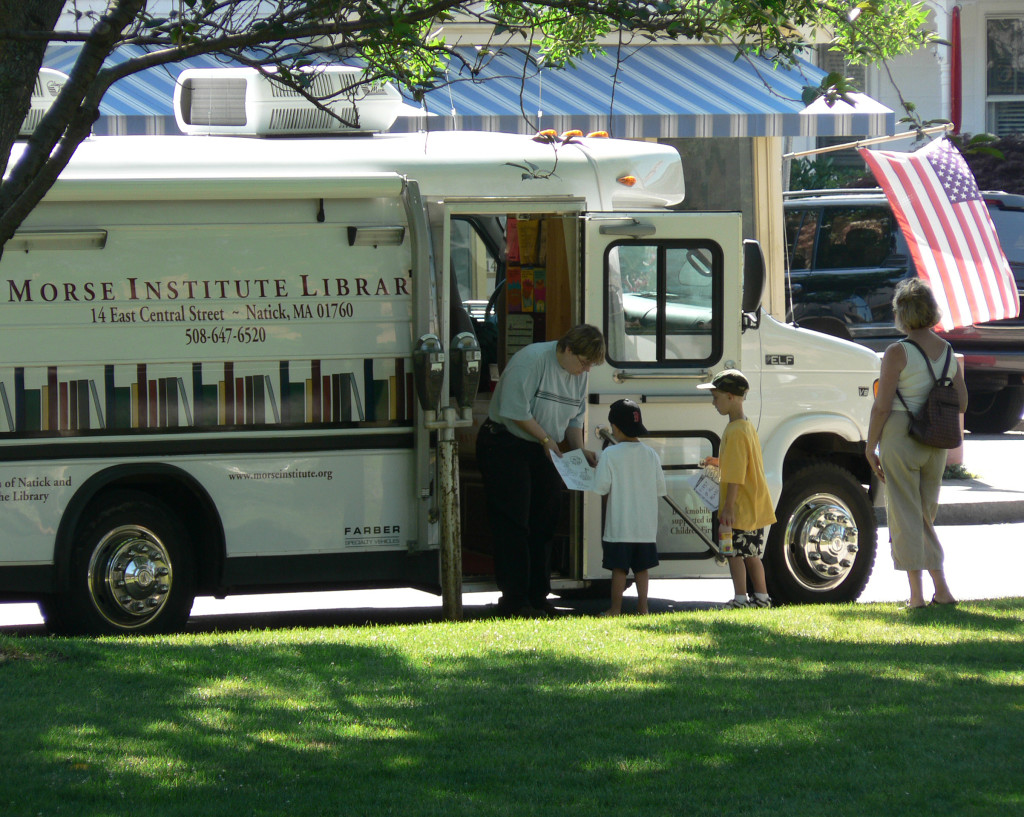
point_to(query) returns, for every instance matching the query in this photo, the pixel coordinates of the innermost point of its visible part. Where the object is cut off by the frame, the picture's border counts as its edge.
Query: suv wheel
(995, 413)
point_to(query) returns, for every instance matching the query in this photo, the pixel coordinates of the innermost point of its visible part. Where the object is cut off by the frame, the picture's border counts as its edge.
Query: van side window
(661, 298)
(854, 237)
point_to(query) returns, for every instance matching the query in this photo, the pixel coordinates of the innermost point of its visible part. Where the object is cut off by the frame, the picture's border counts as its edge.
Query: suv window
(845, 262)
(801, 229)
(1010, 228)
(855, 237)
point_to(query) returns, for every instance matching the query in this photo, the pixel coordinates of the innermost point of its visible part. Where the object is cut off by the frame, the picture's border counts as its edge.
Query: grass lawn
(829, 710)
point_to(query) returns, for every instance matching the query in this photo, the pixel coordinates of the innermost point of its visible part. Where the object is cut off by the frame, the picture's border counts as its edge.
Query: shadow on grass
(851, 710)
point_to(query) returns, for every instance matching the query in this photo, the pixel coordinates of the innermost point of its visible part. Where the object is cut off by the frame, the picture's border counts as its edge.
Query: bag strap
(928, 360)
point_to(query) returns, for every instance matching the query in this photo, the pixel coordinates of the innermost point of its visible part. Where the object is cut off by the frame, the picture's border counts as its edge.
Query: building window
(1005, 81)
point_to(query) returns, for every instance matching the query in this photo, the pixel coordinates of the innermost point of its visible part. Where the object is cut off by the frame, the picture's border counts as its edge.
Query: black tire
(995, 413)
(131, 571)
(822, 548)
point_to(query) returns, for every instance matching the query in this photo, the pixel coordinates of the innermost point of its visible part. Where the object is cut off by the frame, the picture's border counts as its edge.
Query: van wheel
(131, 572)
(995, 413)
(822, 548)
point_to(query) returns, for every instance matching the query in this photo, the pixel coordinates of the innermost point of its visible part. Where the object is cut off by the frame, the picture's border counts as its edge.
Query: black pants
(524, 493)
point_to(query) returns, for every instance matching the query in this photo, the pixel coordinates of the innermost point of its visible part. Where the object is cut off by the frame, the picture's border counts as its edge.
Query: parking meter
(465, 373)
(428, 371)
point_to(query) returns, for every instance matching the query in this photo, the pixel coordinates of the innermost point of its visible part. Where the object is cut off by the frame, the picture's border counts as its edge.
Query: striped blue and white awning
(651, 91)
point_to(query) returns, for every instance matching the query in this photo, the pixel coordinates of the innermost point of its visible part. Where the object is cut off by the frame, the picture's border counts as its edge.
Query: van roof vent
(247, 102)
(48, 84)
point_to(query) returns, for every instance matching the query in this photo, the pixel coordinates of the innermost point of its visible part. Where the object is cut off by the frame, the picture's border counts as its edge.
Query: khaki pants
(913, 476)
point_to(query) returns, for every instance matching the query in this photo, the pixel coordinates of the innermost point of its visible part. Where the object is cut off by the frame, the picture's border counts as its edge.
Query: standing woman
(538, 404)
(911, 471)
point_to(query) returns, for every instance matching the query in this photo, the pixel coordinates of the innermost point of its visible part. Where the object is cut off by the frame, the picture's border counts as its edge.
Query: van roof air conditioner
(48, 84)
(244, 101)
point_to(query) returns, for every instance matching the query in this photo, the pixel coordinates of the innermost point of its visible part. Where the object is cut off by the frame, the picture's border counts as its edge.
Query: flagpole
(873, 141)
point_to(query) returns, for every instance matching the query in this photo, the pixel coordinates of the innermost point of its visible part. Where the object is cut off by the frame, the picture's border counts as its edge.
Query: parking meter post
(451, 525)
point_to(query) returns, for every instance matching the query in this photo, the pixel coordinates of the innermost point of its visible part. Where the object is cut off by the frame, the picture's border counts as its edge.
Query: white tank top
(918, 377)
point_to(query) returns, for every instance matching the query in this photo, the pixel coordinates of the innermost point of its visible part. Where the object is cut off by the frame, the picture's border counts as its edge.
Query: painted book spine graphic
(63, 401)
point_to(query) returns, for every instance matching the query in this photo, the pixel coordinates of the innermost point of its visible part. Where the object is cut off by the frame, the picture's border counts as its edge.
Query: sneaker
(736, 604)
(756, 602)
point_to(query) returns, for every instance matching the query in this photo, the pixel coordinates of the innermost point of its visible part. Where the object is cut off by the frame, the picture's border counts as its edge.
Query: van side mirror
(753, 275)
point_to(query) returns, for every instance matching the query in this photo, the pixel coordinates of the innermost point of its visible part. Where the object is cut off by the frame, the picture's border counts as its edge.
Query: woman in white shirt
(912, 471)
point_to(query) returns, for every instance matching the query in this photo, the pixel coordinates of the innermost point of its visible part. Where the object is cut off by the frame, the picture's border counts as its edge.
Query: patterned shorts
(748, 542)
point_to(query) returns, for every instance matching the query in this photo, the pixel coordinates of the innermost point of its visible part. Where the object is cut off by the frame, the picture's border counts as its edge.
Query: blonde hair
(914, 305)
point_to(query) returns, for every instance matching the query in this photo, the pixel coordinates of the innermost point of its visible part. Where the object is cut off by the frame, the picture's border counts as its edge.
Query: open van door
(666, 289)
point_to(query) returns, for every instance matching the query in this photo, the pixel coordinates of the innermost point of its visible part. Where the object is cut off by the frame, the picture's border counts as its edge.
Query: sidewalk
(995, 494)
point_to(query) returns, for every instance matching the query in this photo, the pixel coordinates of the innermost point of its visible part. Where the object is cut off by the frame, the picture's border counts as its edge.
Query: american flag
(949, 230)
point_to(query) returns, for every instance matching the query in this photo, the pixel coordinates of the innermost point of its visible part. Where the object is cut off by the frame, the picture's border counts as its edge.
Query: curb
(972, 513)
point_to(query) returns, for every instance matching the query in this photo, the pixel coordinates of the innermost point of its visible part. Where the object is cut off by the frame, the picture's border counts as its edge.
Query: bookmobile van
(232, 364)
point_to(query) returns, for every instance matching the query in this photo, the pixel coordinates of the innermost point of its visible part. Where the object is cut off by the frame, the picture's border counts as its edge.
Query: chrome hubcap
(130, 576)
(821, 542)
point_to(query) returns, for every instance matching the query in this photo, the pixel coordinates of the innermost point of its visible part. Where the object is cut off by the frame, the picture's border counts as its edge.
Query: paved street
(981, 526)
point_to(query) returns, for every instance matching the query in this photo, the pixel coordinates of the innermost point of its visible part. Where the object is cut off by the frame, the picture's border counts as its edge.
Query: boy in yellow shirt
(744, 503)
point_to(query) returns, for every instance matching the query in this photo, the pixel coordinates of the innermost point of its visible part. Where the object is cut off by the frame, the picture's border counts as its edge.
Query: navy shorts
(748, 543)
(635, 556)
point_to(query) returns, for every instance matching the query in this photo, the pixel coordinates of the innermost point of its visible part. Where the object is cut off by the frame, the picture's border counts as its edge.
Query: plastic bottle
(725, 540)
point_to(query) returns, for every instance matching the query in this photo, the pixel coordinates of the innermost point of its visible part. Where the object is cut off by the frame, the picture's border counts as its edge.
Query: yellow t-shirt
(740, 463)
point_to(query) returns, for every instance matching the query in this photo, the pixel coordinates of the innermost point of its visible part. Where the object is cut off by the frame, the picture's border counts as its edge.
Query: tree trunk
(20, 62)
(69, 119)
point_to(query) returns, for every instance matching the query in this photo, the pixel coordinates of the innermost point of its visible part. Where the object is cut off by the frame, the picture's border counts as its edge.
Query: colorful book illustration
(155, 397)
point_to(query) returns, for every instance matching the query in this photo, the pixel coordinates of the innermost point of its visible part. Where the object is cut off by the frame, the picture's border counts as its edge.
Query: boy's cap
(728, 380)
(626, 415)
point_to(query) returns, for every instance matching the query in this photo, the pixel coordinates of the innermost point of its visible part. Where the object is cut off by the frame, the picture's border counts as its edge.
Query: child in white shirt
(630, 474)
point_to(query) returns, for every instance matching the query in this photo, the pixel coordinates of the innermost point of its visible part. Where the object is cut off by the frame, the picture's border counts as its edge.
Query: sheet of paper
(577, 473)
(707, 490)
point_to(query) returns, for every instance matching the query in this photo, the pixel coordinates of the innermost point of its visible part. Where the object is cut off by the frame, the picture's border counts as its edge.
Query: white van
(230, 364)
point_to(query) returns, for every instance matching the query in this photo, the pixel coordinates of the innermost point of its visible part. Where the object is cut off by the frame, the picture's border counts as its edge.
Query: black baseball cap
(626, 415)
(728, 380)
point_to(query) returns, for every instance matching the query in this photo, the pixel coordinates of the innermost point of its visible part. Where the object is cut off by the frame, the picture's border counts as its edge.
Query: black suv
(846, 255)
